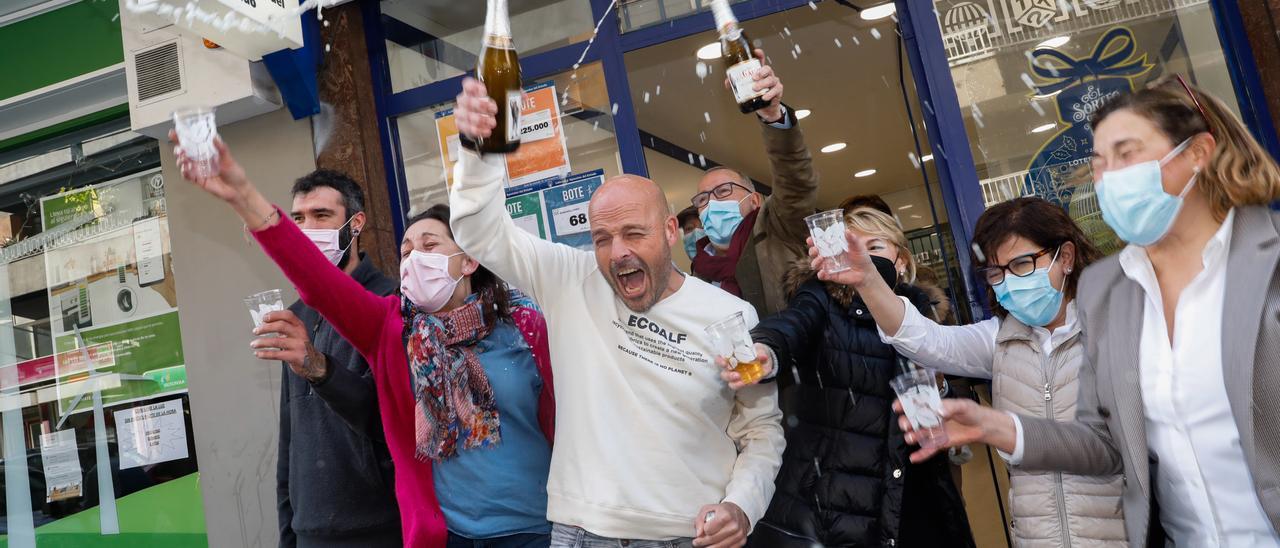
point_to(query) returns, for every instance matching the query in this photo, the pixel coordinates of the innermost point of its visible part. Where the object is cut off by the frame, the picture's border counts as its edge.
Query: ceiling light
(926, 158)
(908, 206)
(709, 51)
(865, 173)
(1054, 43)
(802, 113)
(878, 12)
(1044, 128)
(834, 147)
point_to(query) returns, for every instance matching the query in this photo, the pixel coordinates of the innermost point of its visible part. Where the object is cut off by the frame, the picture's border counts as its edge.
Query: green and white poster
(110, 281)
(526, 211)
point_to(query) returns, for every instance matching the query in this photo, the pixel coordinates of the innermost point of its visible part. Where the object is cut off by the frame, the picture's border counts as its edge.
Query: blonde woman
(845, 478)
(1179, 387)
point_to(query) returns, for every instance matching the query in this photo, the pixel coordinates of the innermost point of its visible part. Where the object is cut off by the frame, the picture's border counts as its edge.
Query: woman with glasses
(1180, 386)
(1031, 254)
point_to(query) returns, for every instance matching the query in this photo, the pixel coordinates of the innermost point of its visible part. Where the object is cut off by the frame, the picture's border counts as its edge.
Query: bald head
(631, 191)
(632, 230)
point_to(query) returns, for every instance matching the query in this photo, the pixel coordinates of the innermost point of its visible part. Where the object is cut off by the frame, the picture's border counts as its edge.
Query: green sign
(526, 211)
(111, 197)
(148, 356)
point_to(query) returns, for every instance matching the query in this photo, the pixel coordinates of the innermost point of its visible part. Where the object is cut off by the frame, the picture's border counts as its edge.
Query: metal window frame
(935, 90)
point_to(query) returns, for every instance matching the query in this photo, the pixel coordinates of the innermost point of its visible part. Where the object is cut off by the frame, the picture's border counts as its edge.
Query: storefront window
(96, 430)
(431, 41)
(1030, 73)
(578, 137)
(689, 122)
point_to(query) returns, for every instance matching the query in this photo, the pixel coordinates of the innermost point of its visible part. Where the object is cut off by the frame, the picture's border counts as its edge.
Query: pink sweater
(374, 326)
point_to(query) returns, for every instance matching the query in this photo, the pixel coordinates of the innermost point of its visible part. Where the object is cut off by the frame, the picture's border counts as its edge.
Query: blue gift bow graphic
(1097, 65)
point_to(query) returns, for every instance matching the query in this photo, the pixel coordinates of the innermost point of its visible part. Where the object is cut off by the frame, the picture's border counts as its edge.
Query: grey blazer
(1109, 435)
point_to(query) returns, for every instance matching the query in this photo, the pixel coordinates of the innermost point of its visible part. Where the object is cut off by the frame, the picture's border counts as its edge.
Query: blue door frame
(921, 35)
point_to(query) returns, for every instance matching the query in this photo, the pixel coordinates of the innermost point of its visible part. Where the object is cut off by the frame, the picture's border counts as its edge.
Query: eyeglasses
(1195, 100)
(1021, 266)
(722, 191)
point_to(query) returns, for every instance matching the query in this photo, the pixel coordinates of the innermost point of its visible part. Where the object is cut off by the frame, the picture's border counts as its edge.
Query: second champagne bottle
(739, 62)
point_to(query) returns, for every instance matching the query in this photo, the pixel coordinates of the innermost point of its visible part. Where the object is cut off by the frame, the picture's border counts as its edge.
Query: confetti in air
(915, 161)
(813, 6)
(856, 42)
(1026, 79)
(838, 44)
(658, 90)
(615, 109)
(707, 116)
(702, 160)
(787, 30)
(875, 33)
(702, 70)
(646, 97)
(1035, 105)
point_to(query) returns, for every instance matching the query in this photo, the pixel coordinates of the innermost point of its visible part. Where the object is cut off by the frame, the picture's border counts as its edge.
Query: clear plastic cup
(918, 391)
(196, 128)
(260, 304)
(731, 340)
(827, 229)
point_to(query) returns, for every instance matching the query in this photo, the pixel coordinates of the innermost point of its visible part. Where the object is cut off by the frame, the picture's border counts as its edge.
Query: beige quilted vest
(1052, 509)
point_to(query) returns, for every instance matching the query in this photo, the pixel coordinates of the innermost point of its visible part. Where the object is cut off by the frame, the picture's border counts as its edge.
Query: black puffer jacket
(846, 479)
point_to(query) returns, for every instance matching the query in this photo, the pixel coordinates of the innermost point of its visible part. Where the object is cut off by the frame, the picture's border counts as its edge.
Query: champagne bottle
(740, 65)
(499, 70)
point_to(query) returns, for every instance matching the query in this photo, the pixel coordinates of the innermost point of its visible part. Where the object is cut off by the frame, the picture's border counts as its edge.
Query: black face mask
(887, 270)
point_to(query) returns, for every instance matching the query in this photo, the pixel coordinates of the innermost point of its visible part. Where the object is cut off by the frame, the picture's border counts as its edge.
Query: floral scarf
(454, 401)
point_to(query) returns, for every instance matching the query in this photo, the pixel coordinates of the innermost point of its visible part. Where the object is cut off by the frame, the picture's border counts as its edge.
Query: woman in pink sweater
(461, 367)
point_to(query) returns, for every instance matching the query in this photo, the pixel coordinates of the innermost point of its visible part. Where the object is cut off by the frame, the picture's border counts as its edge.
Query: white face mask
(425, 280)
(328, 240)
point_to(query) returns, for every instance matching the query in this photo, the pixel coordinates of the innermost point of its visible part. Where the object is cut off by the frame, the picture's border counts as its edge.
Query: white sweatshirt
(646, 431)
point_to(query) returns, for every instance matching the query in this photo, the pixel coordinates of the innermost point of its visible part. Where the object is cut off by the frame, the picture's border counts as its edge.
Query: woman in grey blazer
(1180, 390)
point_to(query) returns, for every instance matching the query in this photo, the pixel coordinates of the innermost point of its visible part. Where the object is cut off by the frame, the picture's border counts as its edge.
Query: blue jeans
(518, 540)
(568, 536)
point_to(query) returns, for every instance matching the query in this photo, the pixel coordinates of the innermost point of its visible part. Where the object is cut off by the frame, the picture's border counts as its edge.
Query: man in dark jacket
(334, 483)
(751, 239)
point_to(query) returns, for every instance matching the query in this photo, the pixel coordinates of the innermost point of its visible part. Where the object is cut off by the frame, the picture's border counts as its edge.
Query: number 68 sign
(568, 208)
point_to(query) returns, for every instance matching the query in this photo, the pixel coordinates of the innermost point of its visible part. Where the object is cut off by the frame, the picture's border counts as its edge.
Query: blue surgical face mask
(721, 219)
(691, 242)
(1134, 202)
(1031, 299)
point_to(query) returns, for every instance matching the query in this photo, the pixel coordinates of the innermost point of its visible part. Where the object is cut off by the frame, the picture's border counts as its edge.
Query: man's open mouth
(631, 281)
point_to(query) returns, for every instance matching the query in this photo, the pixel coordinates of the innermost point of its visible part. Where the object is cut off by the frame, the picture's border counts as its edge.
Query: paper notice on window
(151, 434)
(568, 207)
(526, 212)
(543, 152)
(450, 143)
(149, 247)
(63, 478)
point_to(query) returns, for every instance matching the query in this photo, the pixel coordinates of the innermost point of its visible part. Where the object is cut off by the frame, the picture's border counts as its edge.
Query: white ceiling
(852, 90)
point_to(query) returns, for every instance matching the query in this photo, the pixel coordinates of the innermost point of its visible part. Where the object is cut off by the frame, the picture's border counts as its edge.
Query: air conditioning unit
(167, 70)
